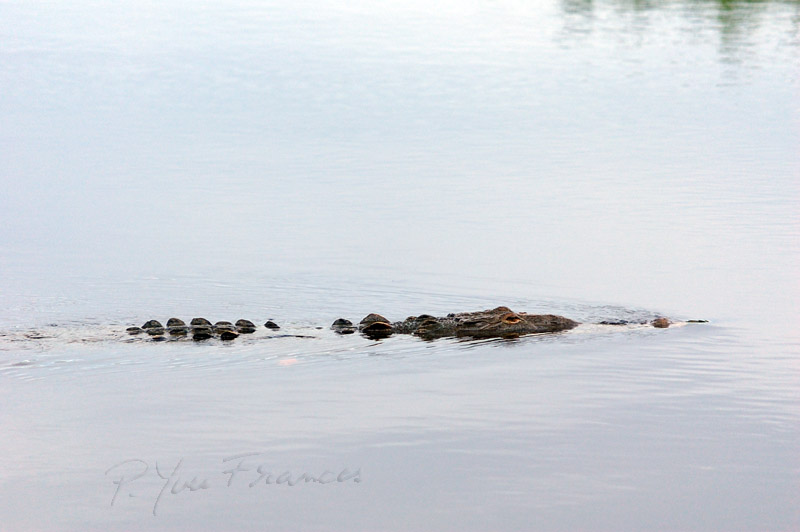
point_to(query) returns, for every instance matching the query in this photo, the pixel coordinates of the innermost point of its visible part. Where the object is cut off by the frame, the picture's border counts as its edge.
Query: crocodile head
(503, 322)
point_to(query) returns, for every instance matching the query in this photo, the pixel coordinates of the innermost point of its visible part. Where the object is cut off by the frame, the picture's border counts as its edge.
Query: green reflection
(573, 6)
(735, 21)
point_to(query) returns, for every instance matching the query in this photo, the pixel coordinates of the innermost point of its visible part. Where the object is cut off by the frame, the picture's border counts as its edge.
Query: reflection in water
(735, 21)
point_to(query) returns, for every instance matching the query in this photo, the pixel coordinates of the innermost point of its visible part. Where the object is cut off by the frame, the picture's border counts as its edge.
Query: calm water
(305, 161)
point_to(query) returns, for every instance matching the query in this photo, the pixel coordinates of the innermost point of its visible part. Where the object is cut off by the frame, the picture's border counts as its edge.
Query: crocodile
(500, 322)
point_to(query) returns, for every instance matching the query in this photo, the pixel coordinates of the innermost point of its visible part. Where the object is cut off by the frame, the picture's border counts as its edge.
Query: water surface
(308, 161)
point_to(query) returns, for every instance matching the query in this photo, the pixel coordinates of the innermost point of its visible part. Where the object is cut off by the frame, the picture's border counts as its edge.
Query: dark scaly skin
(375, 326)
(198, 329)
(495, 323)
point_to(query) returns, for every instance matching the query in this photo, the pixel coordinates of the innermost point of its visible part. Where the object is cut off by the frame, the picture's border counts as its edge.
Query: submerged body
(500, 322)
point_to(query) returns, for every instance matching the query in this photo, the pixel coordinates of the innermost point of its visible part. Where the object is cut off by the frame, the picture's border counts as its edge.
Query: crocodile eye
(510, 318)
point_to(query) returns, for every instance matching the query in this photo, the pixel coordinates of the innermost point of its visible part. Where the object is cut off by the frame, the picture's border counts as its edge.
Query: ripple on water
(103, 348)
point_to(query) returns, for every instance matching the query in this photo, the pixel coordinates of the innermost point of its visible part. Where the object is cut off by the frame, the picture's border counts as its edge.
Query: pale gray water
(312, 160)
